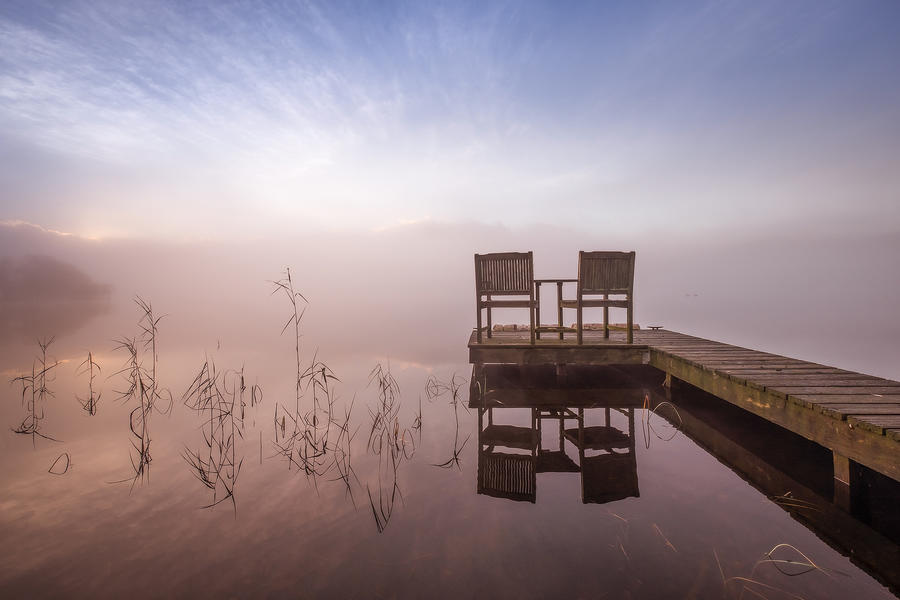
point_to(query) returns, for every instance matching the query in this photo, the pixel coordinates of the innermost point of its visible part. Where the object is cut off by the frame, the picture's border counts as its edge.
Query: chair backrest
(510, 476)
(504, 273)
(606, 272)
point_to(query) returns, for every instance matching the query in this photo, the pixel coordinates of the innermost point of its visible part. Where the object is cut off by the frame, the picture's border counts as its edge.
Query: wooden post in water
(843, 496)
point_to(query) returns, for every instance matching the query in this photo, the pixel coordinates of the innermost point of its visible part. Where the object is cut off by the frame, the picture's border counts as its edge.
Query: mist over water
(406, 293)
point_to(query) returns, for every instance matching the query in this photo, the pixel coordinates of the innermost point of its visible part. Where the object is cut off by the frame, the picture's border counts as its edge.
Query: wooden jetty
(855, 416)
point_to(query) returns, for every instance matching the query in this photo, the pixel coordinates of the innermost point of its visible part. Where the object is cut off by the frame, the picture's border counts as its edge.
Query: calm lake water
(413, 502)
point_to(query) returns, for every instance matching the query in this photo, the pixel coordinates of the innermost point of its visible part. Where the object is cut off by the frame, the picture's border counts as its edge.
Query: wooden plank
(822, 399)
(728, 355)
(836, 386)
(742, 363)
(781, 370)
(876, 423)
(779, 380)
(759, 362)
(834, 380)
(786, 390)
(841, 411)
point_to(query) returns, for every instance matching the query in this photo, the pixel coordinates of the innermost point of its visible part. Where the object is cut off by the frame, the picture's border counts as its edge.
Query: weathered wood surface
(514, 347)
(852, 414)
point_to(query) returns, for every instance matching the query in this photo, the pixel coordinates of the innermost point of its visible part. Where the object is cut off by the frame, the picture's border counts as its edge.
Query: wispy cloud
(247, 116)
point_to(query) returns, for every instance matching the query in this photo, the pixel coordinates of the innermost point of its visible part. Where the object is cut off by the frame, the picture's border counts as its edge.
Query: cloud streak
(244, 117)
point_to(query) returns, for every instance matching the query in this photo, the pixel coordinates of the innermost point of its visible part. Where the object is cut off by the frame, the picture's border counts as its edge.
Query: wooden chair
(504, 274)
(604, 274)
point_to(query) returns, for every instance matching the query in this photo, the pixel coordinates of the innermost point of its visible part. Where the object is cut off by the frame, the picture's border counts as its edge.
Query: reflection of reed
(787, 561)
(647, 427)
(217, 466)
(436, 388)
(89, 365)
(60, 469)
(390, 442)
(35, 391)
(142, 386)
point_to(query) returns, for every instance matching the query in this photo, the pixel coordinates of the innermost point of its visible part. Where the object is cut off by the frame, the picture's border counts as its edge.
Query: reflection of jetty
(595, 409)
(801, 486)
(855, 416)
(511, 456)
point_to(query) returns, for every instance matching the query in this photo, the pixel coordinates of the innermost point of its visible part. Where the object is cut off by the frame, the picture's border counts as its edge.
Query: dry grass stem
(35, 391)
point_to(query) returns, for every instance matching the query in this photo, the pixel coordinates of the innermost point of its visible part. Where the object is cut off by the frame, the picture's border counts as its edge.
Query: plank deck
(856, 416)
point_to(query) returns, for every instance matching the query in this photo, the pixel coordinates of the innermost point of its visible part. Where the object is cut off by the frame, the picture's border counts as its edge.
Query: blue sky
(183, 120)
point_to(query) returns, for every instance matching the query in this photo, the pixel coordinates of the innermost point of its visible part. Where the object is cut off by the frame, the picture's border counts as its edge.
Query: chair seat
(506, 304)
(594, 303)
(599, 437)
(510, 436)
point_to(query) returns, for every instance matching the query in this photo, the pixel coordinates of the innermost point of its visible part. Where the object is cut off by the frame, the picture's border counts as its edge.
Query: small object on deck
(599, 326)
(652, 327)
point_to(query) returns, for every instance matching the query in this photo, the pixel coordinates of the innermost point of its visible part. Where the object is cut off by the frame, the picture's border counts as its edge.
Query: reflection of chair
(506, 474)
(604, 274)
(510, 476)
(612, 474)
(504, 274)
(608, 477)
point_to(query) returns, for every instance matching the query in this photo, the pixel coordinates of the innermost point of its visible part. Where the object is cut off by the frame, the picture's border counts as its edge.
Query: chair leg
(489, 326)
(533, 334)
(630, 323)
(579, 325)
(606, 318)
(478, 322)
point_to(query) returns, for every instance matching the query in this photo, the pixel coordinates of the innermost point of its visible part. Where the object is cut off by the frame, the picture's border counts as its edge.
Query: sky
(243, 120)
(190, 152)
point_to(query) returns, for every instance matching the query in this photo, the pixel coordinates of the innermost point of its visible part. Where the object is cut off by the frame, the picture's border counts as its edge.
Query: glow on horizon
(238, 120)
